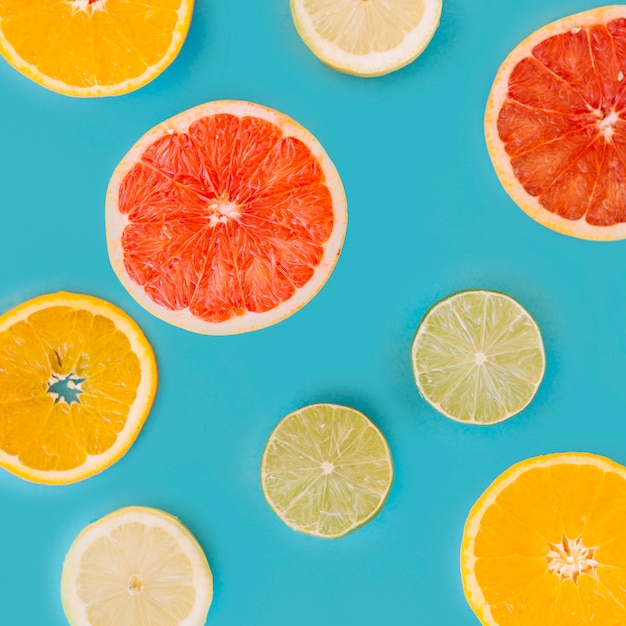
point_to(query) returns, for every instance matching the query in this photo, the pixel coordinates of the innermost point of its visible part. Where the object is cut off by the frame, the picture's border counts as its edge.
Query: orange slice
(555, 124)
(226, 218)
(92, 47)
(546, 544)
(77, 380)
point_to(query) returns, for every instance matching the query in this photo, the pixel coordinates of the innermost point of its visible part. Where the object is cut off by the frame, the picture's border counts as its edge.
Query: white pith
(570, 558)
(374, 63)
(501, 161)
(116, 222)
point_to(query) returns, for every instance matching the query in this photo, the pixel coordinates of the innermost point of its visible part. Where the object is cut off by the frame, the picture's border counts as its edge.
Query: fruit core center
(481, 357)
(222, 210)
(89, 6)
(327, 467)
(570, 558)
(606, 123)
(65, 388)
(135, 585)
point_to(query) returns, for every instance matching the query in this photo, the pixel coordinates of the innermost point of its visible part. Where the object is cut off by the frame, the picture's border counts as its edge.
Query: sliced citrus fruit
(546, 544)
(136, 566)
(326, 470)
(77, 380)
(366, 37)
(226, 218)
(478, 357)
(555, 124)
(92, 47)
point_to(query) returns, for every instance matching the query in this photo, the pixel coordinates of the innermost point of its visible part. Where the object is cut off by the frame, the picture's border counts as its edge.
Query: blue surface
(427, 217)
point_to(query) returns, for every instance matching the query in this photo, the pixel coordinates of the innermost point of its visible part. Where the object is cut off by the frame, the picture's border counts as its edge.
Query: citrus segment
(136, 565)
(92, 47)
(478, 357)
(546, 542)
(555, 124)
(225, 218)
(366, 37)
(326, 470)
(77, 380)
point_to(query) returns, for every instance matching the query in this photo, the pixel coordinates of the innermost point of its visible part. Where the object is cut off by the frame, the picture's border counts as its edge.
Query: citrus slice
(366, 37)
(478, 357)
(326, 470)
(545, 544)
(77, 380)
(555, 124)
(226, 218)
(136, 566)
(92, 47)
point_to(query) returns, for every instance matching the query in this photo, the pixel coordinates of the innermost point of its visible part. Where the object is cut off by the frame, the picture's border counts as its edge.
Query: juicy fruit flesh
(478, 357)
(552, 548)
(563, 123)
(87, 43)
(46, 428)
(365, 26)
(136, 575)
(326, 470)
(228, 217)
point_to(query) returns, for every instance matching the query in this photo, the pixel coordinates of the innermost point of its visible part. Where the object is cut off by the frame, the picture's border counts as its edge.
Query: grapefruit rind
(138, 411)
(132, 84)
(281, 514)
(249, 321)
(72, 605)
(501, 161)
(471, 587)
(373, 64)
(421, 330)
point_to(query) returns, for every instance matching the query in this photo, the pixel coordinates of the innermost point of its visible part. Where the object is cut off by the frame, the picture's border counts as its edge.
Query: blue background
(427, 217)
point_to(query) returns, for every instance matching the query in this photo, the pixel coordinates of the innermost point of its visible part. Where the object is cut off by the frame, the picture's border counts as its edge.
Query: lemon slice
(366, 37)
(326, 470)
(136, 566)
(478, 357)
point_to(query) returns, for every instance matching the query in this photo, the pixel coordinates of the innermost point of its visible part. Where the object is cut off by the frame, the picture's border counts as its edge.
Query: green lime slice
(326, 470)
(478, 357)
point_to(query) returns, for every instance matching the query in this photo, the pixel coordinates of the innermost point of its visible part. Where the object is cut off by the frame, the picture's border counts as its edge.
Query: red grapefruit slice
(226, 218)
(555, 124)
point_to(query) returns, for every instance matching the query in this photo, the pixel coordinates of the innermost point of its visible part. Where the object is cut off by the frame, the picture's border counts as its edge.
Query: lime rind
(326, 470)
(478, 357)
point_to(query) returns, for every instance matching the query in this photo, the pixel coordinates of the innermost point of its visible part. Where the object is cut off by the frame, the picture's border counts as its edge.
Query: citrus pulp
(545, 544)
(226, 218)
(326, 470)
(478, 357)
(77, 380)
(137, 565)
(555, 124)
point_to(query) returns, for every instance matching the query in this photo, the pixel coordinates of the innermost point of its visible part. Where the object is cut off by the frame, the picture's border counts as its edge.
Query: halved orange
(555, 124)
(226, 218)
(92, 47)
(77, 380)
(546, 544)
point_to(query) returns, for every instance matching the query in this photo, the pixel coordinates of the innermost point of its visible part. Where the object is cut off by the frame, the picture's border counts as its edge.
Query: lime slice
(478, 357)
(136, 566)
(366, 37)
(326, 470)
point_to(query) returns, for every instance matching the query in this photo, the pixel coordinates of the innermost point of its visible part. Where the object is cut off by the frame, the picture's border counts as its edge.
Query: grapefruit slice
(226, 218)
(545, 544)
(555, 124)
(77, 381)
(92, 48)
